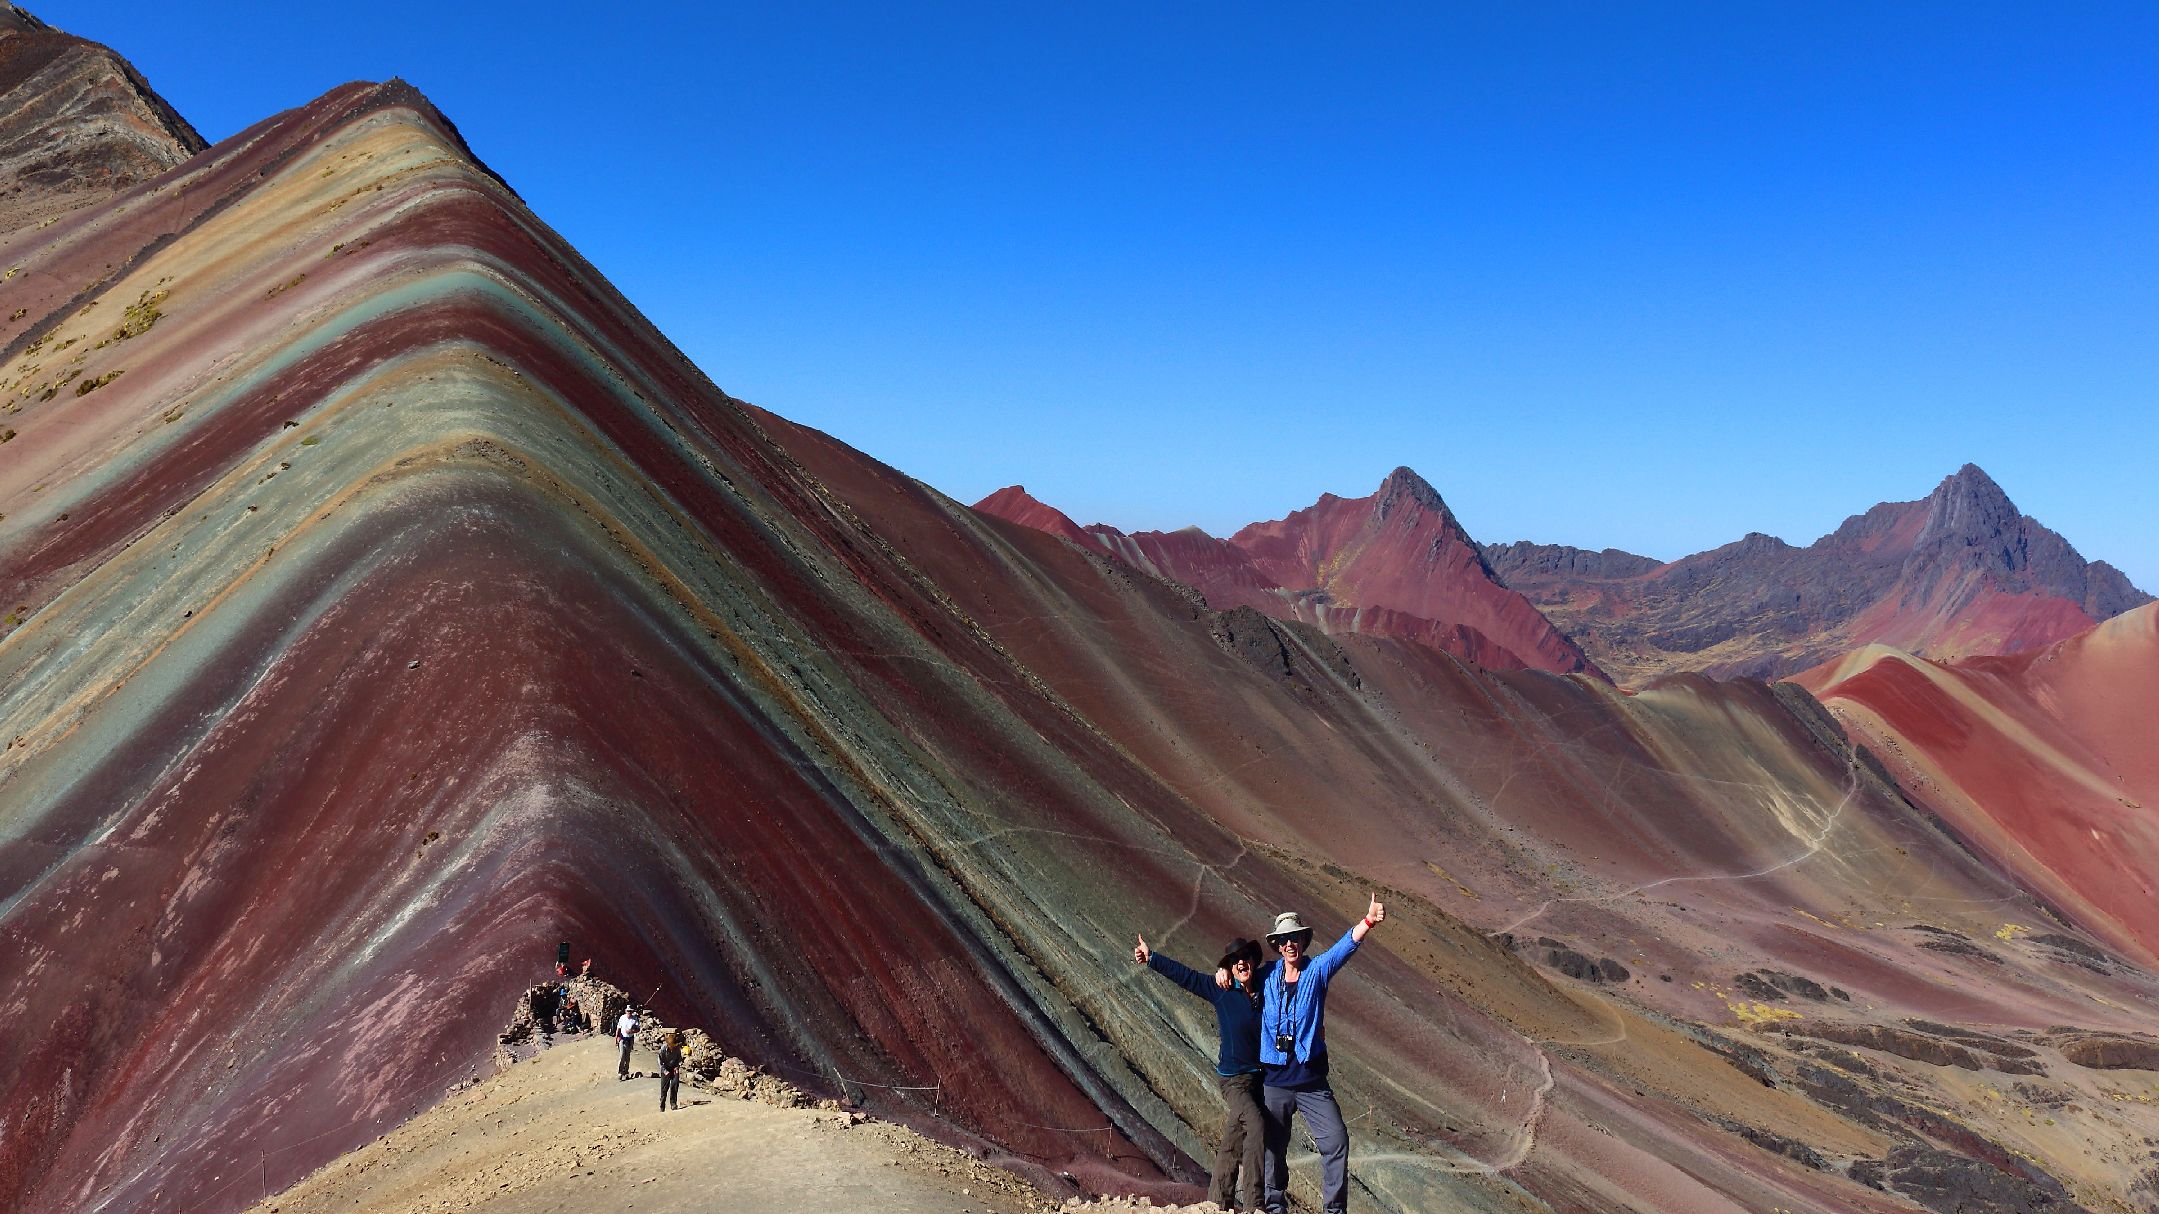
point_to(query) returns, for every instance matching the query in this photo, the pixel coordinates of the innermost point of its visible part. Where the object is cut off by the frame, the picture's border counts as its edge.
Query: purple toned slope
(1958, 573)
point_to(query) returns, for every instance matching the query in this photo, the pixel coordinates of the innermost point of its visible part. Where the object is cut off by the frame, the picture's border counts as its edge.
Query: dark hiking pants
(623, 1068)
(1244, 1140)
(1323, 1121)
(670, 1090)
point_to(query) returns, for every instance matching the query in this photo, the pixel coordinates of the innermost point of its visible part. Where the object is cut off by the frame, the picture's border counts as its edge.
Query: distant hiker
(571, 1018)
(1236, 1015)
(671, 1056)
(626, 1033)
(1293, 1049)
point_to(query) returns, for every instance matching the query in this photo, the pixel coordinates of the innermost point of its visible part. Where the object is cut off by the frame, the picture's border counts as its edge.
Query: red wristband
(1368, 921)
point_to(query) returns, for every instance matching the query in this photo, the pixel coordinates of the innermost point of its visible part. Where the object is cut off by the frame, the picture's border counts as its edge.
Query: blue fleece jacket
(1299, 1010)
(1234, 1016)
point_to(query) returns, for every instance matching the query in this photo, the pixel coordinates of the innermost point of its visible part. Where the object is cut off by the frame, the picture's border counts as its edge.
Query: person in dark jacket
(671, 1059)
(1236, 1013)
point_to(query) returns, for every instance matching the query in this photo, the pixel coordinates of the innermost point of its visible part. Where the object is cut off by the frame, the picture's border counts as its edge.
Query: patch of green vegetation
(283, 287)
(88, 386)
(53, 389)
(138, 318)
(309, 441)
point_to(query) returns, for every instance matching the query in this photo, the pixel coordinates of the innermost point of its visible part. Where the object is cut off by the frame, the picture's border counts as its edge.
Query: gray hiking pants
(1323, 1121)
(1244, 1140)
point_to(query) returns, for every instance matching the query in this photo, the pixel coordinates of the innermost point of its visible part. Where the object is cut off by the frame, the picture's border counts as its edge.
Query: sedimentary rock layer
(385, 601)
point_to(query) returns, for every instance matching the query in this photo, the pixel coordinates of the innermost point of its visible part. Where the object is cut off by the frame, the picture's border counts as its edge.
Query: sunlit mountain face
(385, 600)
(1961, 573)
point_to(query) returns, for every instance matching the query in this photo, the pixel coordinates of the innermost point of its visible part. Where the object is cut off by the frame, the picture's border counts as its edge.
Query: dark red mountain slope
(1396, 563)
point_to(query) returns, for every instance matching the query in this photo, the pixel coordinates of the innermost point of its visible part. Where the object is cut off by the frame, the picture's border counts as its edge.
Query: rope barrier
(863, 1083)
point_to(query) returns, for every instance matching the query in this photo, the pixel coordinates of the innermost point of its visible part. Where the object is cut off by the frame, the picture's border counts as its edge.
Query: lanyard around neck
(1284, 1021)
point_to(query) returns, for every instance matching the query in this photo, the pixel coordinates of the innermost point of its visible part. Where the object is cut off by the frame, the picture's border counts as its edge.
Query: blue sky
(1642, 276)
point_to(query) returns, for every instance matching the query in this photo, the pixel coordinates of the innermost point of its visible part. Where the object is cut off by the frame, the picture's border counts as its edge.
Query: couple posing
(1273, 1059)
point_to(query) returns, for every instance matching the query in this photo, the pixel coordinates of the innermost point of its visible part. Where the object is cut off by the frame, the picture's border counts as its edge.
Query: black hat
(1240, 947)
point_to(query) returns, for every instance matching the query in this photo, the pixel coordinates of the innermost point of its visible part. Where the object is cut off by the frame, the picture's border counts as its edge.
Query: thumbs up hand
(1141, 953)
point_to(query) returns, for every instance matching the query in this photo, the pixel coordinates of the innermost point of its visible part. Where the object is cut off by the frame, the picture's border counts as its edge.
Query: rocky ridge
(1394, 563)
(78, 123)
(1958, 573)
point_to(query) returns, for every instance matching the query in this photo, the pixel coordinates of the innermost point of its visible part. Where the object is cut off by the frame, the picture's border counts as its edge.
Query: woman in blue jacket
(1236, 1013)
(1293, 1053)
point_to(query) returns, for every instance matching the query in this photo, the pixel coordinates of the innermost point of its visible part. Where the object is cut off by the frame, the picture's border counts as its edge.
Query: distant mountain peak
(1969, 490)
(1395, 562)
(1959, 572)
(1403, 485)
(1969, 511)
(1404, 479)
(1015, 505)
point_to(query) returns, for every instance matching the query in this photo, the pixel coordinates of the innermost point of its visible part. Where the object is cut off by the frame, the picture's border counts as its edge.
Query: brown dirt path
(560, 1134)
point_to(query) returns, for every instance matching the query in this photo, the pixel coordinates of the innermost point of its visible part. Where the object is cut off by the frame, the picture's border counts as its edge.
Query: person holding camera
(1236, 1013)
(1293, 1053)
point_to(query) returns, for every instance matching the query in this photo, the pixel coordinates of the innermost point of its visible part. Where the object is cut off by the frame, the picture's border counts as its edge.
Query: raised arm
(1183, 975)
(1334, 958)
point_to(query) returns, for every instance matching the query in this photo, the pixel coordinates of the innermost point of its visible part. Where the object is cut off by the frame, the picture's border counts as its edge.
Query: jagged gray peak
(1961, 570)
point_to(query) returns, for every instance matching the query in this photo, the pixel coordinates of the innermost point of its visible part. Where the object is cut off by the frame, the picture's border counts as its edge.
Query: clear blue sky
(1648, 276)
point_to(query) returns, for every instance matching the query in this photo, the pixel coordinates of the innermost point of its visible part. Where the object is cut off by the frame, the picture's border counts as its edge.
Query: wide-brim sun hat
(1286, 925)
(1239, 949)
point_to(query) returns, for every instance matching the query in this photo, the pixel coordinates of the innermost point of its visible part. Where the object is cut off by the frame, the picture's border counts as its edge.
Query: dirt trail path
(560, 1133)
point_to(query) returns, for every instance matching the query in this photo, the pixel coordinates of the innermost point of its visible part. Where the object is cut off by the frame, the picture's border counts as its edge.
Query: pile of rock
(533, 1028)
